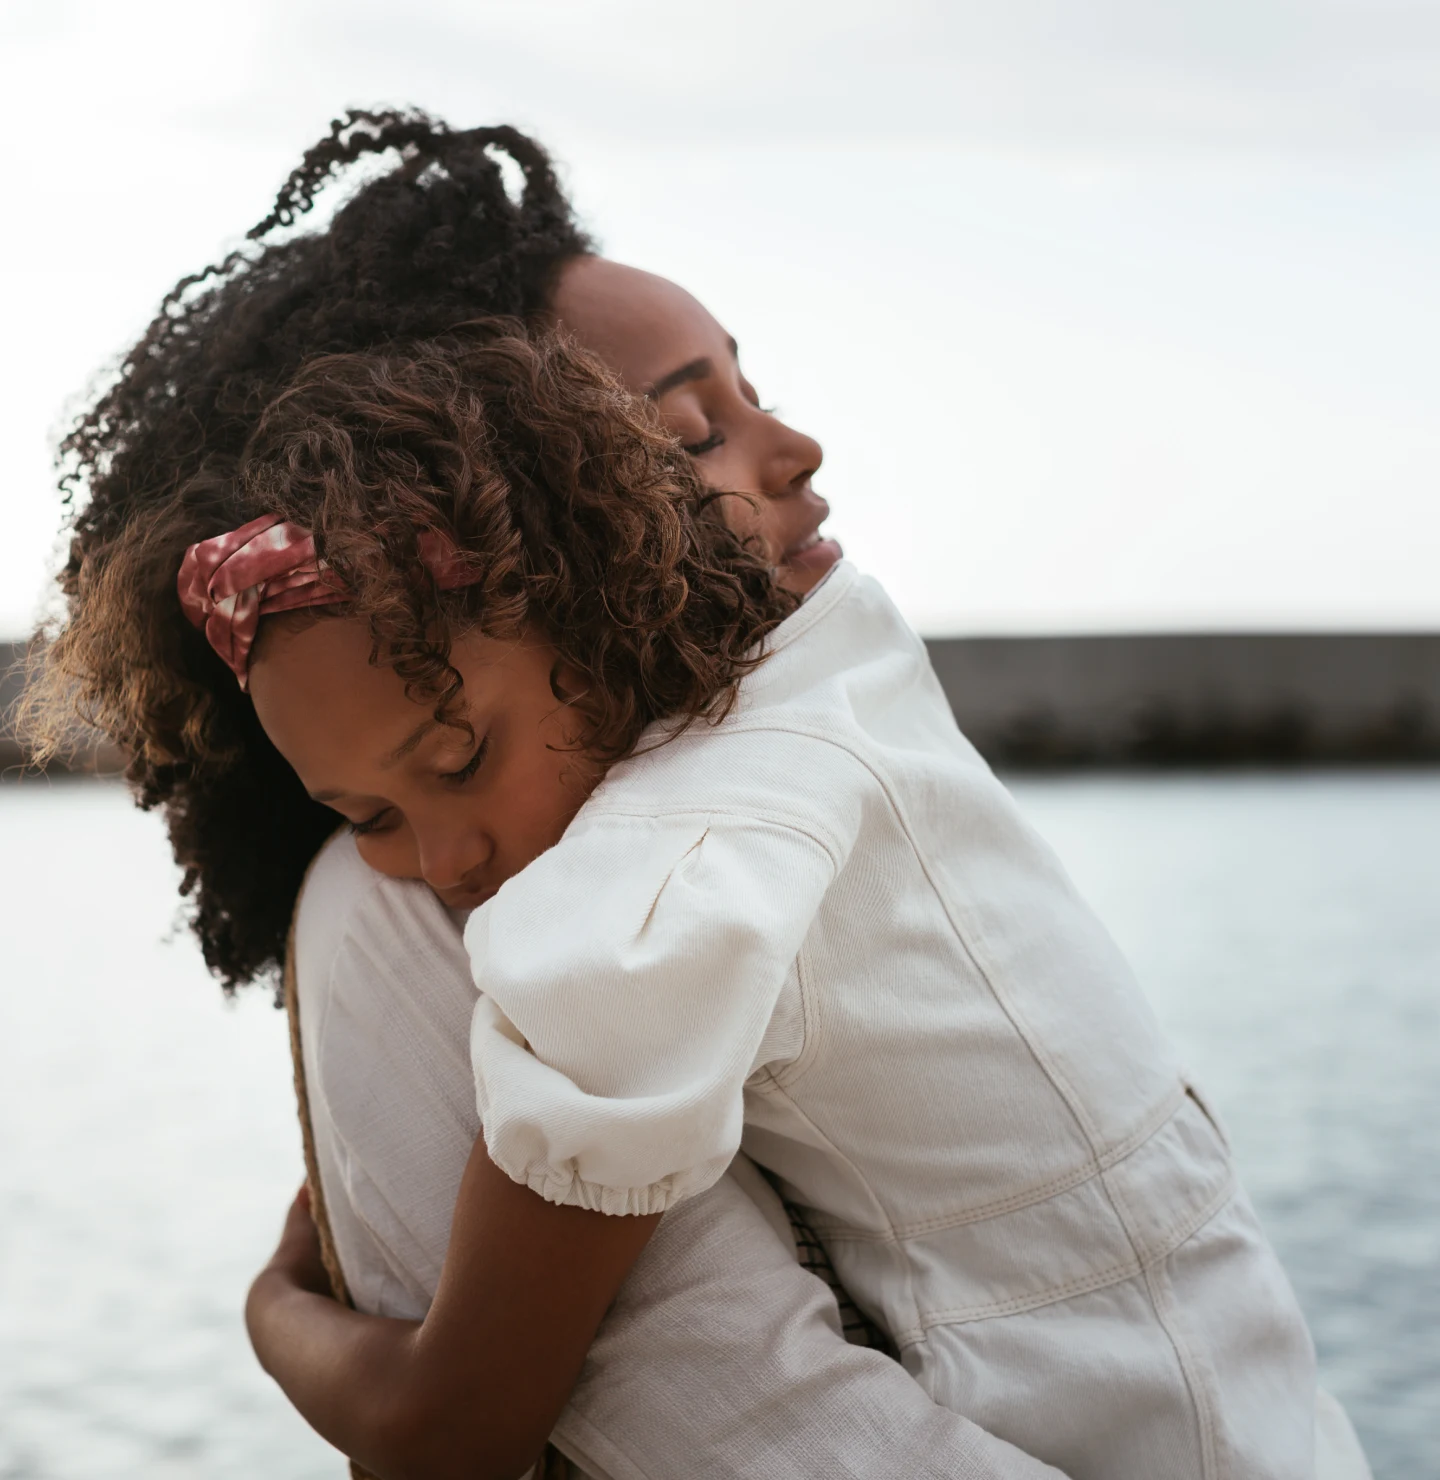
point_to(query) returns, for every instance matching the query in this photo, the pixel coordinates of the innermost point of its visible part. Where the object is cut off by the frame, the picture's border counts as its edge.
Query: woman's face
(425, 801)
(666, 346)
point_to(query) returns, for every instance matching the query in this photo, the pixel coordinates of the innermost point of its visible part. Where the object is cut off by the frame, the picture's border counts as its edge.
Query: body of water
(1286, 926)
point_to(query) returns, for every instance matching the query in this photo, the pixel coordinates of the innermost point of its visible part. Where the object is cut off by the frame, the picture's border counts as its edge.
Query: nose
(453, 854)
(791, 458)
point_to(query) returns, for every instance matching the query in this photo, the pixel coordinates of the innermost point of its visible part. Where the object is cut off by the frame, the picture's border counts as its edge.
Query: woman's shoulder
(338, 886)
(345, 905)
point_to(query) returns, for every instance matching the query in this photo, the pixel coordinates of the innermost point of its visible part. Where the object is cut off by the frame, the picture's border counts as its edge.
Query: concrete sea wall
(1196, 699)
(1157, 700)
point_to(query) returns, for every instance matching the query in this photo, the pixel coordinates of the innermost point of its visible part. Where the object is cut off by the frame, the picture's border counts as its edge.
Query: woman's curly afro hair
(170, 453)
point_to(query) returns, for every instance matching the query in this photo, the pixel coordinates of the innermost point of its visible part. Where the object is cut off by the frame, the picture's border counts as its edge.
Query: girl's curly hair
(434, 241)
(579, 516)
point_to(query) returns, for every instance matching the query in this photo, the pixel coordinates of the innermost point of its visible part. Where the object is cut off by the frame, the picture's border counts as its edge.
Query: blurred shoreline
(1196, 699)
(1138, 700)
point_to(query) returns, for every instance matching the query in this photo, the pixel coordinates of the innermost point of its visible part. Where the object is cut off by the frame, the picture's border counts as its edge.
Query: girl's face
(666, 346)
(427, 803)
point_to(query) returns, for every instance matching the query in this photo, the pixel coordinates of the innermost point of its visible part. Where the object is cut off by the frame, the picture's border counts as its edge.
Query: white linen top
(821, 929)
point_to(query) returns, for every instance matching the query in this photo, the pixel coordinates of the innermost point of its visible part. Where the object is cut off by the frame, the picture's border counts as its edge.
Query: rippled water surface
(1288, 928)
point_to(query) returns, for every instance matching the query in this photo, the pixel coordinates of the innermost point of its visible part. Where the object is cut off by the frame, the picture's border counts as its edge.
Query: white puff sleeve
(628, 977)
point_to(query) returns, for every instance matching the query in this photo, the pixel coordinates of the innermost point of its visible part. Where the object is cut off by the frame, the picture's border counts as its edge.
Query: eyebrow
(700, 369)
(408, 744)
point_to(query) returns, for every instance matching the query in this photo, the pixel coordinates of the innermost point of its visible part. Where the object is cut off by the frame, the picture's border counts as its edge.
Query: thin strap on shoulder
(328, 1254)
(331, 1259)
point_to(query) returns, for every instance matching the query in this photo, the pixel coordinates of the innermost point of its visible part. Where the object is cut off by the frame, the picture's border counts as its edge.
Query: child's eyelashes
(379, 822)
(460, 777)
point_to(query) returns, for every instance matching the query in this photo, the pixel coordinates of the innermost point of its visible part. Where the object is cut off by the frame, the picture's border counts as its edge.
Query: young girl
(713, 893)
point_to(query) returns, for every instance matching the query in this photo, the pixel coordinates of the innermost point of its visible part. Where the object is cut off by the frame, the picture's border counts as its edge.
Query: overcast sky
(1108, 314)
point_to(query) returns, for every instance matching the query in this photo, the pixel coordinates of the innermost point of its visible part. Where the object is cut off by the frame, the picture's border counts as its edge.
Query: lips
(809, 511)
(801, 546)
(811, 557)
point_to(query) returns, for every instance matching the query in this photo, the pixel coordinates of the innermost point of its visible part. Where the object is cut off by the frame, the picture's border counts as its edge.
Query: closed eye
(460, 777)
(699, 449)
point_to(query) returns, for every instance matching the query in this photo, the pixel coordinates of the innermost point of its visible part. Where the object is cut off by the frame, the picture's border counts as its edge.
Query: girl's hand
(296, 1259)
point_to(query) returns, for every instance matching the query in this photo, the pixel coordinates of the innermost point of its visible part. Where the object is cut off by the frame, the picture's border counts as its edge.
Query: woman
(722, 1356)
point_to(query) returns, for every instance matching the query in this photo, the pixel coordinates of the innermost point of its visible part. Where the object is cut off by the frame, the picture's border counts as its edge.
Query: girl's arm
(475, 1388)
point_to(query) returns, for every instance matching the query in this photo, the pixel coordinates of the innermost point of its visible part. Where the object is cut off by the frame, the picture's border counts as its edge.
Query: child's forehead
(327, 666)
(322, 657)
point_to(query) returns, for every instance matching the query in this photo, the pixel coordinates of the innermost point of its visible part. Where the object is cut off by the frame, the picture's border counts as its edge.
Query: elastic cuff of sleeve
(568, 1190)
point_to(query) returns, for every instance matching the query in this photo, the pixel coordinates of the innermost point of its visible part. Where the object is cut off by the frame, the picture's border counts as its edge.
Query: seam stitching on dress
(1157, 1289)
(903, 1263)
(811, 1025)
(1148, 1129)
(831, 847)
(1161, 1297)
(1085, 1284)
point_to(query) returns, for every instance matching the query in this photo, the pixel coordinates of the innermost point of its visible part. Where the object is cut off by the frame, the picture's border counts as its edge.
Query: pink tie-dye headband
(228, 583)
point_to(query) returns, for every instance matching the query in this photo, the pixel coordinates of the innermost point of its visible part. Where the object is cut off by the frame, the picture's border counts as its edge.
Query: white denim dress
(821, 930)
